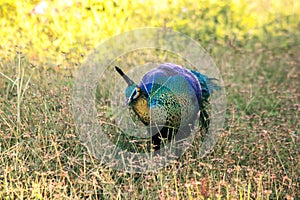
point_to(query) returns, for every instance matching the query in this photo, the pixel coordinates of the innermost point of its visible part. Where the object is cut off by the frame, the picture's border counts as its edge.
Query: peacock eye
(135, 93)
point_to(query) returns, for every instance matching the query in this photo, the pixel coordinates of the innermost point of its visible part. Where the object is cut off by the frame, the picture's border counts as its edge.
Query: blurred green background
(44, 29)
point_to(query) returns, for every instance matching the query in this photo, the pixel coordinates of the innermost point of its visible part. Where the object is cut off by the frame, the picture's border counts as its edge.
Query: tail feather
(207, 88)
(207, 85)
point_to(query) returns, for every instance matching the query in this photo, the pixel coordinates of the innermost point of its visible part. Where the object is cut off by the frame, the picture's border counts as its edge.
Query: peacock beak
(126, 102)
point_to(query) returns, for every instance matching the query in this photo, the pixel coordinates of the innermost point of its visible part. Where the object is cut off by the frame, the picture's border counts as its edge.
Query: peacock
(169, 100)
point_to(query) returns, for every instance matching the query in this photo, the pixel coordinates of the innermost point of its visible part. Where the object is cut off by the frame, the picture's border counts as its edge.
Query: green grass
(257, 154)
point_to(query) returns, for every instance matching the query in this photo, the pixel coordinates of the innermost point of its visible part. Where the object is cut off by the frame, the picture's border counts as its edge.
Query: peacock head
(136, 98)
(133, 91)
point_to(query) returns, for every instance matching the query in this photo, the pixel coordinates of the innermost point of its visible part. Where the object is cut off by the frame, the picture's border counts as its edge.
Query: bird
(168, 100)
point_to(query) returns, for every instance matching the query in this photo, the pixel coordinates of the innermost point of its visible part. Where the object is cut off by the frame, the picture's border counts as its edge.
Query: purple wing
(167, 70)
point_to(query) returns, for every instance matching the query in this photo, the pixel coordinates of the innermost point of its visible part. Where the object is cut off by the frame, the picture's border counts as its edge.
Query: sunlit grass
(256, 49)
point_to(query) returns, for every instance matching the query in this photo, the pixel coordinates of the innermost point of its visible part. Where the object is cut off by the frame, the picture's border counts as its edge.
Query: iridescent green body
(166, 107)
